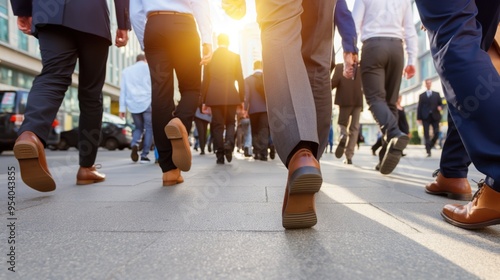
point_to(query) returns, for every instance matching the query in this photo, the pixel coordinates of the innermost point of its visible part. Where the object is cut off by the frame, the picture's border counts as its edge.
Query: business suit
(428, 112)
(470, 83)
(349, 98)
(257, 110)
(69, 31)
(220, 94)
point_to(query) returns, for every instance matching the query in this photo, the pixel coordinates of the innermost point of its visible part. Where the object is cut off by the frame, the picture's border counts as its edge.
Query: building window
(427, 69)
(22, 40)
(4, 22)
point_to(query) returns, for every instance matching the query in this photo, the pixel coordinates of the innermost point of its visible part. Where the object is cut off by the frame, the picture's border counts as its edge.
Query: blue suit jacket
(90, 16)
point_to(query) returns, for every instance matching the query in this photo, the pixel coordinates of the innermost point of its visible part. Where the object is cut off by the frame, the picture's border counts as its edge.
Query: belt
(155, 13)
(383, 39)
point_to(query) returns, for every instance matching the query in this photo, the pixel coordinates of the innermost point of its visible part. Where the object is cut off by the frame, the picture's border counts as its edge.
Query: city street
(224, 222)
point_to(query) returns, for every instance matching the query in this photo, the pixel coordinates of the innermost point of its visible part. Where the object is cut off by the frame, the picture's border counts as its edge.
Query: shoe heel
(25, 150)
(87, 182)
(300, 220)
(173, 132)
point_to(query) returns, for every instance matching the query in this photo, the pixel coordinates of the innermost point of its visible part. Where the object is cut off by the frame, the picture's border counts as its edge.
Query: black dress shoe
(339, 152)
(228, 152)
(272, 152)
(348, 161)
(393, 153)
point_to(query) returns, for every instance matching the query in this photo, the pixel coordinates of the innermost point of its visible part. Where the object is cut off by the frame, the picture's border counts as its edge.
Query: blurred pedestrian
(169, 32)
(135, 96)
(201, 122)
(349, 98)
(256, 107)
(220, 94)
(470, 84)
(66, 35)
(382, 25)
(429, 114)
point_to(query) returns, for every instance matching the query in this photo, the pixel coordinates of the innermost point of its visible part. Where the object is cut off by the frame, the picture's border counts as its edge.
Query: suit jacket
(89, 16)
(349, 92)
(219, 75)
(255, 100)
(428, 106)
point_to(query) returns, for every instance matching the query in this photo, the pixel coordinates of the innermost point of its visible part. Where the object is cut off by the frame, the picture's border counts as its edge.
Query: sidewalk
(224, 222)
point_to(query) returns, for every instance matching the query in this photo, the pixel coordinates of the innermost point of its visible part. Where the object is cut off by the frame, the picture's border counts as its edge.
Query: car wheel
(111, 144)
(63, 145)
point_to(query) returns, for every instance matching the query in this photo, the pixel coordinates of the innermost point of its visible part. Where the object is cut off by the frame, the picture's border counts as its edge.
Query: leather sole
(181, 152)
(471, 226)
(173, 182)
(339, 151)
(300, 210)
(450, 195)
(32, 172)
(393, 154)
(89, 181)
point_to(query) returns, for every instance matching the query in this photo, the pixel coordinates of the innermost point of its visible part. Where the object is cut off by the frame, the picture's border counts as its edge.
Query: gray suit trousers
(297, 38)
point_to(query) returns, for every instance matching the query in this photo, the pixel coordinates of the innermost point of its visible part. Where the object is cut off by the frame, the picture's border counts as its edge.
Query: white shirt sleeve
(201, 11)
(358, 12)
(138, 19)
(411, 38)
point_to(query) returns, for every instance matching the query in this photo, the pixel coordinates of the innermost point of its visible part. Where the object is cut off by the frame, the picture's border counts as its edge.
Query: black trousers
(429, 143)
(260, 133)
(223, 118)
(383, 63)
(171, 42)
(60, 48)
(201, 126)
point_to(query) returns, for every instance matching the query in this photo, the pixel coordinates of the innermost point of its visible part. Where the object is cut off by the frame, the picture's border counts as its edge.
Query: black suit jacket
(89, 16)
(349, 92)
(428, 106)
(219, 75)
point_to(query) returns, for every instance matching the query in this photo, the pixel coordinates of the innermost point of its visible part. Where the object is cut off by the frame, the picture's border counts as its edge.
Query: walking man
(429, 114)
(135, 96)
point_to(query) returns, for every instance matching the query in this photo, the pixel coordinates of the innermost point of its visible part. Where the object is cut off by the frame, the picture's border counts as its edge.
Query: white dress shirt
(135, 88)
(200, 9)
(387, 18)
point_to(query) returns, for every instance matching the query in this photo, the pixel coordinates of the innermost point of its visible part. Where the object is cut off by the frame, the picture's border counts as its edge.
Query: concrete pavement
(224, 222)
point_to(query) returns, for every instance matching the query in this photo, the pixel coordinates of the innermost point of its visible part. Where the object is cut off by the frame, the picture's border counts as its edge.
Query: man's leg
(299, 95)
(473, 99)
(353, 132)
(343, 122)
(148, 132)
(427, 140)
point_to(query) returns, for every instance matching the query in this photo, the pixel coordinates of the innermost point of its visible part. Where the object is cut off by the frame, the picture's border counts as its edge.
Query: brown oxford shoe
(181, 152)
(482, 211)
(172, 177)
(454, 188)
(30, 153)
(89, 175)
(304, 181)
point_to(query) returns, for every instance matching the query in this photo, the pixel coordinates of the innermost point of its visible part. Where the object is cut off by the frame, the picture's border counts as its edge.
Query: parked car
(12, 108)
(113, 136)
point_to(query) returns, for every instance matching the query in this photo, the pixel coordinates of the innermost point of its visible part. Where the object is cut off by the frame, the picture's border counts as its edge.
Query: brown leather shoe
(454, 188)
(304, 181)
(172, 177)
(482, 211)
(30, 153)
(181, 152)
(89, 175)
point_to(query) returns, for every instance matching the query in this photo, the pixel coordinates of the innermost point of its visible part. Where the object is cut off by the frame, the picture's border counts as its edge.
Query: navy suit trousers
(471, 84)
